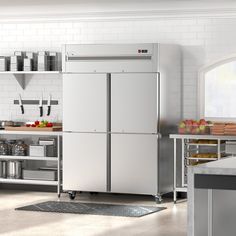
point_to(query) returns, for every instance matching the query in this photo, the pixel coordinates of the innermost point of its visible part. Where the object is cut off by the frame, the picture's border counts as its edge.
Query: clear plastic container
(194, 127)
(3, 148)
(10, 144)
(20, 148)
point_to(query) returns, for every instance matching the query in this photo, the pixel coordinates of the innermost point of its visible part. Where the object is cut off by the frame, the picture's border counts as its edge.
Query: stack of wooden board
(218, 129)
(230, 129)
(223, 129)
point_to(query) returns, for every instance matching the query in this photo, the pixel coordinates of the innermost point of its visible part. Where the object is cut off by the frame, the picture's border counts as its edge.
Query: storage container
(230, 147)
(3, 169)
(4, 63)
(10, 144)
(53, 61)
(51, 144)
(14, 169)
(20, 148)
(49, 175)
(19, 53)
(16, 63)
(28, 64)
(38, 150)
(43, 61)
(3, 148)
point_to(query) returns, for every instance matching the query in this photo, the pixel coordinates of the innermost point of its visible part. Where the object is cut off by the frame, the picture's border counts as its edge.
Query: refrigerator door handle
(159, 101)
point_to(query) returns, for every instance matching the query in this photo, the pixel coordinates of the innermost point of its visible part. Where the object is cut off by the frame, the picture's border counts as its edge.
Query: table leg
(59, 166)
(174, 192)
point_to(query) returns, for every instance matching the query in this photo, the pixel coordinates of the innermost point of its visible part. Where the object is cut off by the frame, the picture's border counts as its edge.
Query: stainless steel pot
(14, 169)
(3, 169)
(4, 123)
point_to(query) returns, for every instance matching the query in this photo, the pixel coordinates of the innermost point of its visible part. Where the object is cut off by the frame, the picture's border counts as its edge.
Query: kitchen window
(217, 90)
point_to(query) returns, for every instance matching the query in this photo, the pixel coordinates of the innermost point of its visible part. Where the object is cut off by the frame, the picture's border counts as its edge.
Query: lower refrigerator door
(84, 162)
(134, 163)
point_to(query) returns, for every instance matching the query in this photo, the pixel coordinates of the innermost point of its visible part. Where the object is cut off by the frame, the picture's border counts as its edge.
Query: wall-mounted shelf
(29, 158)
(32, 182)
(21, 75)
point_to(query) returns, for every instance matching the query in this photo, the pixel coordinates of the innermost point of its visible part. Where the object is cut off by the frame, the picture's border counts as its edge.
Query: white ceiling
(26, 8)
(123, 4)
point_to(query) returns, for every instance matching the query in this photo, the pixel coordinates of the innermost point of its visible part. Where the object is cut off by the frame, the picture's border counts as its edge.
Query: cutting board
(24, 128)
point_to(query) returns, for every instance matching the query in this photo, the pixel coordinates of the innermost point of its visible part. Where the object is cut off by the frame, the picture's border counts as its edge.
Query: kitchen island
(211, 198)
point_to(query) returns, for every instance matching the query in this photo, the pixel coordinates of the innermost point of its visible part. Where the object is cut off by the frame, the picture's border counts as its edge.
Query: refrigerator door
(84, 162)
(84, 102)
(134, 102)
(134, 163)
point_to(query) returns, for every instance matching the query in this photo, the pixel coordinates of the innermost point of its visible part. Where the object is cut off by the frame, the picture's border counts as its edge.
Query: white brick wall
(202, 40)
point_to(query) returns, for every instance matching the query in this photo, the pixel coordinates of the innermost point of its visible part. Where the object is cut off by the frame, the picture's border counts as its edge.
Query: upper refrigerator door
(134, 102)
(84, 102)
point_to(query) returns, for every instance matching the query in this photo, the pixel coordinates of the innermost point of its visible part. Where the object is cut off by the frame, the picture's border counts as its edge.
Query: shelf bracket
(20, 78)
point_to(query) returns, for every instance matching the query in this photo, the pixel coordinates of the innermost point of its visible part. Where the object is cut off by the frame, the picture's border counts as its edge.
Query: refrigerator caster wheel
(72, 195)
(158, 199)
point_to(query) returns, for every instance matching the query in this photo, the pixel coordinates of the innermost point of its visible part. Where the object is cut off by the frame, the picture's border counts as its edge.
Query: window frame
(201, 87)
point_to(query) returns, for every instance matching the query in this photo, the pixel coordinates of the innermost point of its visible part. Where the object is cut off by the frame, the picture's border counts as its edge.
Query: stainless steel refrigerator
(120, 102)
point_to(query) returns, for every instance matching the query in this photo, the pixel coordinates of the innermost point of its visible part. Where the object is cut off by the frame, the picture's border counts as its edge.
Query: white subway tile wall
(202, 41)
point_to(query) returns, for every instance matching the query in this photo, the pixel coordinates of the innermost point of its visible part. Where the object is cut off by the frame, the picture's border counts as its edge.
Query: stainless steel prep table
(56, 159)
(184, 139)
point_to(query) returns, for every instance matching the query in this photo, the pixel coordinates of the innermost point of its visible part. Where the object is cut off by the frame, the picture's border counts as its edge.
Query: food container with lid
(3, 148)
(20, 148)
(38, 150)
(10, 144)
(194, 127)
(14, 169)
(3, 169)
(51, 144)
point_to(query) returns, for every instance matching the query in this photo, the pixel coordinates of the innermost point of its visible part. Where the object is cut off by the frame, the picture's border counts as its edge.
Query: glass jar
(3, 148)
(3, 169)
(20, 148)
(11, 144)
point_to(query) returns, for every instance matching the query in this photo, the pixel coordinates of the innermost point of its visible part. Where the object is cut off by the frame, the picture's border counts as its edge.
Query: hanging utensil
(49, 105)
(21, 105)
(41, 106)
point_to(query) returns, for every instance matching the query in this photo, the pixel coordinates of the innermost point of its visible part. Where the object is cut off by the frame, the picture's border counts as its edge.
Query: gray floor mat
(92, 208)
